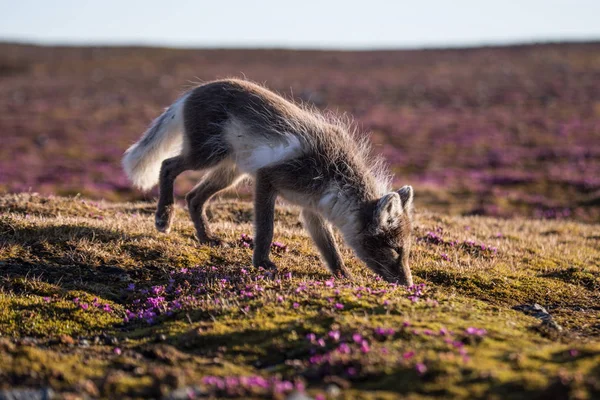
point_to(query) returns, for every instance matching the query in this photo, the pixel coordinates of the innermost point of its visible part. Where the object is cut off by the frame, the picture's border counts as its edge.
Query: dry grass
(221, 317)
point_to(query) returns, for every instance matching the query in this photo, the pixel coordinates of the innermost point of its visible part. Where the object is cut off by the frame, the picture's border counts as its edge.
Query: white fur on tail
(162, 140)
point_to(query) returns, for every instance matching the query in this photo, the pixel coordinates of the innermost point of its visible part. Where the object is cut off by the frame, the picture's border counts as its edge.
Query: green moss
(49, 261)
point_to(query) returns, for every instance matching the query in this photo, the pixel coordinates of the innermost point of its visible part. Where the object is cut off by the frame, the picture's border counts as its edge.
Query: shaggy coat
(233, 129)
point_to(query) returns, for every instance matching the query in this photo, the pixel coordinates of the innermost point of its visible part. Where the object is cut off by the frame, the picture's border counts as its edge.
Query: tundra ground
(95, 302)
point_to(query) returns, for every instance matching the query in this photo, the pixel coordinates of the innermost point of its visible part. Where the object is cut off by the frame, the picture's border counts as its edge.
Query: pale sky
(322, 24)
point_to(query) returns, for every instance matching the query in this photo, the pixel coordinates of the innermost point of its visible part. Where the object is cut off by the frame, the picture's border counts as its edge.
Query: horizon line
(299, 47)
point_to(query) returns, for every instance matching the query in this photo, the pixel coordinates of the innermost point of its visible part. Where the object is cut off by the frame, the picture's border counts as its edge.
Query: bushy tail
(162, 140)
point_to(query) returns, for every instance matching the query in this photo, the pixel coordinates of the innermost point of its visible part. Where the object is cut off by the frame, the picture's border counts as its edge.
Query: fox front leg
(322, 234)
(264, 215)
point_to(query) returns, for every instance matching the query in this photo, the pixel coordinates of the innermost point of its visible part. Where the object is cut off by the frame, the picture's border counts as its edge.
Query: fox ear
(406, 195)
(388, 210)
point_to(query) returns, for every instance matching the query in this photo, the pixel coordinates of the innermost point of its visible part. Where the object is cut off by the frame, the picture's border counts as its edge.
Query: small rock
(88, 387)
(551, 324)
(534, 310)
(109, 340)
(27, 394)
(333, 391)
(84, 343)
(298, 396)
(66, 339)
(185, 393)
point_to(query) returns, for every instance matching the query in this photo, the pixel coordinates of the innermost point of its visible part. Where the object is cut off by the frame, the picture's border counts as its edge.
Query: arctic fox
(235, 128)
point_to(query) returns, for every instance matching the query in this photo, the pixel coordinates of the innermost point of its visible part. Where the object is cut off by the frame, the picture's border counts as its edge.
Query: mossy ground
(76, 278)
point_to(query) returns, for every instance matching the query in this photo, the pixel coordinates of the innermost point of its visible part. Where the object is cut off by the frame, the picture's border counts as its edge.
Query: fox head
(384, 242)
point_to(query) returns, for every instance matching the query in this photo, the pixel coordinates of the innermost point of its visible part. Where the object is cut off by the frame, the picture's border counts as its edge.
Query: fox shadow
(51, 255)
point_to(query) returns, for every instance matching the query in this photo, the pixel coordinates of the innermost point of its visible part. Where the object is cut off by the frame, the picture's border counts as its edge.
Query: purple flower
(339, 306)
(385, 331)
(84, 306)
(414, 299)
(357, 338)
(296, 305)
(335, 335)
(117, 351)
(421, 368)
(573, 352)
(344, 348)
(364, 346)
(475, 331)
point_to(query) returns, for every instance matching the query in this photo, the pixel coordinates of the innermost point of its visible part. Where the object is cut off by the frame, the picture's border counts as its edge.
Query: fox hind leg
(214, 181)
(170, 169)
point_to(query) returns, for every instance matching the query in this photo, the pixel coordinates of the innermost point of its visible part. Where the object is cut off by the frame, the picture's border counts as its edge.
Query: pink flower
(84, 306)
(408, 355)
(364, 346)
(117, 351)
(335, 335)
(344, 348)
(296, 305)
(47, 299)
(475, 331)
(421, 368)
(357, 338)
(339, 306)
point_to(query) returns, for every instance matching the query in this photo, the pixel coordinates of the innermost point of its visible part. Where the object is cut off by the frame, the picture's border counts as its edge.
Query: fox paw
(266, 264)
(213, 242)
(163, 224)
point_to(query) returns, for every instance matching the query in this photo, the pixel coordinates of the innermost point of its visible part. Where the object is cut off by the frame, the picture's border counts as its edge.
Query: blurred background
(486, 108)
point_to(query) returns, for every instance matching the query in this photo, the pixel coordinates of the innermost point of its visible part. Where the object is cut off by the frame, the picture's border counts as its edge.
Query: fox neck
(344, 210)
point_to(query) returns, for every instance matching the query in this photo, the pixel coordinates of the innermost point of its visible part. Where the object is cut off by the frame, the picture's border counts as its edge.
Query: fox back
(315, 161)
